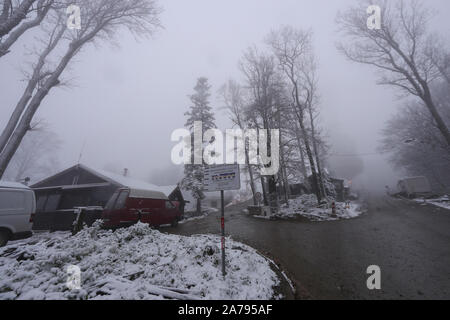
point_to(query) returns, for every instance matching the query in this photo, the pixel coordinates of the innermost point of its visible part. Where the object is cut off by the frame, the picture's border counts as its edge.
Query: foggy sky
(125, 102)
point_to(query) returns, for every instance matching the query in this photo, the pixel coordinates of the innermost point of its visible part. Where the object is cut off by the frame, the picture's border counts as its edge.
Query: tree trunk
(287, 191)
(283, 175)
(28, 93)
(311, 161)
(24, 124)
(18, 16)
(15, 117)
(264, 191)
(13, 35)
(250, 173)
(199, 206)
(320, 175)
(302, 154)
(437, 117)
(316, 152)
(285, 184)
(283, 164)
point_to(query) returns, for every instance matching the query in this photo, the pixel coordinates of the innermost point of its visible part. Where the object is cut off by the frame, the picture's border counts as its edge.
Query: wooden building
(82, 186)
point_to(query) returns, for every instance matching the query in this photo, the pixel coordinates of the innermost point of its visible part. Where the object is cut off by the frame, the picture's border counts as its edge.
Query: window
(52, 202)
(40, 203)
(12, 200)
(74, 198)
(121, 200)
(112, 200)
(170, 205)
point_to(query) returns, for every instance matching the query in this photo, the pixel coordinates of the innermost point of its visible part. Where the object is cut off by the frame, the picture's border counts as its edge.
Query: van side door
(16, 207)
(120, 211)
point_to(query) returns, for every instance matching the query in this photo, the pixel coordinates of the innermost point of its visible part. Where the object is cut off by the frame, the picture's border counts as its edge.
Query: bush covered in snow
(133, 263)
(306, 206)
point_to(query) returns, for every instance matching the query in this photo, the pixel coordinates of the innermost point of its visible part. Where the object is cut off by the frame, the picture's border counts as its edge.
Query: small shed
(414, 186)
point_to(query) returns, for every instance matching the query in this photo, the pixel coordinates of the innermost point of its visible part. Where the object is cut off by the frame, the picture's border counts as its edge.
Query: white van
(414, 186)
(17, 208)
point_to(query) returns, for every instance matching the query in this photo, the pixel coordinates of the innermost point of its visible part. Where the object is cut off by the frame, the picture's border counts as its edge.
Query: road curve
(328, 260)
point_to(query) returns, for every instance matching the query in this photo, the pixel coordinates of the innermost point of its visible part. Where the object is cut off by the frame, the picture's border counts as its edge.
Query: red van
(128, 206)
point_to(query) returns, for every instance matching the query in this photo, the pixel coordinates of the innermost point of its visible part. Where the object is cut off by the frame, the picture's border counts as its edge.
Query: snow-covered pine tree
(200, 110)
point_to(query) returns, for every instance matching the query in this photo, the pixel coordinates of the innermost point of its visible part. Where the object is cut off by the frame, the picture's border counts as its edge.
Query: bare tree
(233, 98)
(294, 53)
(34, 81)
(399, 50)
(439, 56)
(101, 21)
(264, 85)
(311, 102)
(36, 156)
(415, 143)
(295, 132)
(283, 119)
(17, 17)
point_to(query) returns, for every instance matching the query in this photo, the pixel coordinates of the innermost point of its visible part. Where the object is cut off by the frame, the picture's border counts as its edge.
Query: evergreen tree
(200, 110)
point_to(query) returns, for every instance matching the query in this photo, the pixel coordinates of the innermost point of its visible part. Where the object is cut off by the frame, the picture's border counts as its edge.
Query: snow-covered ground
(442, 202)
(306, 206)
(191, 216)
(203, 216)
(133, 263)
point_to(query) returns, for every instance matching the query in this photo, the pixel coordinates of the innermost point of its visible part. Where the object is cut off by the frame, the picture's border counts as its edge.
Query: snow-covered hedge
(306, 206)
(133, 263)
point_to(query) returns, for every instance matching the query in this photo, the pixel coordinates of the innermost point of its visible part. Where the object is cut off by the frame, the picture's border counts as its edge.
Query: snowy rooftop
(15, 185)
(131, 183)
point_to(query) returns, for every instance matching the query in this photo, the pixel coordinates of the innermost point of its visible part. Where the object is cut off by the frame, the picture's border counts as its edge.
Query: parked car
(17, 208)
(128, 206)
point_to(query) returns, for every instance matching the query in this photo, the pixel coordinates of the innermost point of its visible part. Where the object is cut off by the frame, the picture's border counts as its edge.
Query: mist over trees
(279, 90)
(36, 157)
(166, 176)
(415, 61)
(58, 45)
(415, 143)
(234, 98)
(295, 56)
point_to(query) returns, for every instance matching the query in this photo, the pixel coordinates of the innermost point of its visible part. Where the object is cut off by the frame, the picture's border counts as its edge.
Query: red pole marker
(222, 222)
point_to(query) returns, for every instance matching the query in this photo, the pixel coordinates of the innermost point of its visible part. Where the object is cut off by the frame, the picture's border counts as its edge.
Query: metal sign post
(222, 223)
(221, 178)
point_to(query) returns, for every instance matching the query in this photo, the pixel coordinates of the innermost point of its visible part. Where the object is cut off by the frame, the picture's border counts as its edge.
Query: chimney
(125, 172)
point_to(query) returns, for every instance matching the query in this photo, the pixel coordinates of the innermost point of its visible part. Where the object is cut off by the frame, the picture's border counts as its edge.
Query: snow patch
(133, 263)
(193, 219)
(442, 202)
(306, 206)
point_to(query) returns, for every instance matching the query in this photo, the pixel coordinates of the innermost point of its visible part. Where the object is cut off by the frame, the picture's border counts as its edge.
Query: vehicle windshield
(121, 199)
(112, 200)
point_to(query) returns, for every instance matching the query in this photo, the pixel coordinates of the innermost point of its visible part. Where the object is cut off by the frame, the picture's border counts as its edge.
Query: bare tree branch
(401, 47)
(102, 19)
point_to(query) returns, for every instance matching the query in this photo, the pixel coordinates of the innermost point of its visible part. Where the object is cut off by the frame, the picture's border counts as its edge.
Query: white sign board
(222, 177)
